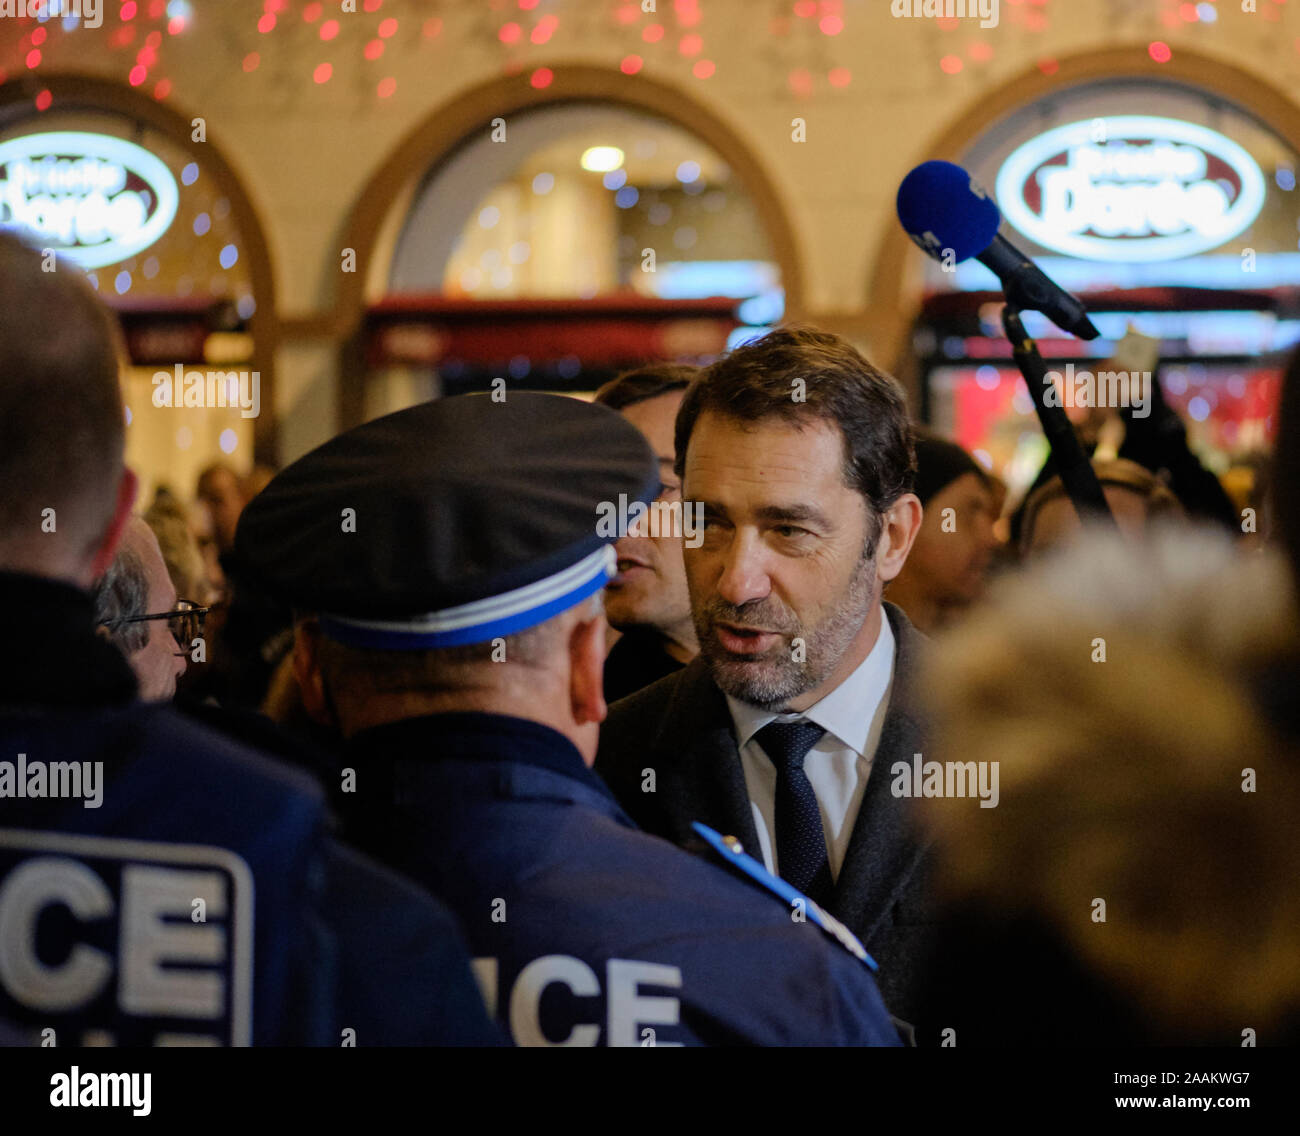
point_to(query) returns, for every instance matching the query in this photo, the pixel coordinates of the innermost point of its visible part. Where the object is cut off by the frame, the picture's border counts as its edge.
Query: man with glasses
(136, 606)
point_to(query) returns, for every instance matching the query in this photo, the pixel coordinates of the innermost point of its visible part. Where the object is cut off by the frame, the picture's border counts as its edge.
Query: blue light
(615, 179)
(1207, 13)
(122, 283)
(190, 174)
(229, 256)
(987, 378)
(1198, 408)
(1285, 178)
(687, 172)
(246, 306)
(519, 366)
(741, 335)
(202, 223)
(766, 308)
(626, 197)
(543, 184)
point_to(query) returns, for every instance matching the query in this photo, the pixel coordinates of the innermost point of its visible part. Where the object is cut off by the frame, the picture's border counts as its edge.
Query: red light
(374, 49)
(542, 77)
(831, 25)
(801, 81)
(43, 100)
(373, 5)
(163, 89)
(329, 29)
(653, 34)
(839, 77)
(545, 27)
(387, 28)
(704, 69)
(387, 87)
(266, 23)
(153, 39)
(805, 9)
(510, 33)
(1188, 13)
(1048, 66)
(38, 37)
(128, 11)
(311, 13)
(950, 64)
(980, 51)
(1160, 52)
(631, 64)
(251, 60)
(33, 59)
(626, 14)
(323, 72)
(137, 75)
(176, 25)
(690, 44)
(527, 5)
(432, 27)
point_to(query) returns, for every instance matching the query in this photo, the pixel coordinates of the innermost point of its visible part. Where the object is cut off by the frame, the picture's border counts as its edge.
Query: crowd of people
(859, 753)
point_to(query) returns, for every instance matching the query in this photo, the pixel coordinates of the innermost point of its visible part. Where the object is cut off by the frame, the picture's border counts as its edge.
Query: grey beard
(774, 680)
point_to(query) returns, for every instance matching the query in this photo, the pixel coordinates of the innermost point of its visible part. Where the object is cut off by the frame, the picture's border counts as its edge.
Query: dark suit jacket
(681, 729)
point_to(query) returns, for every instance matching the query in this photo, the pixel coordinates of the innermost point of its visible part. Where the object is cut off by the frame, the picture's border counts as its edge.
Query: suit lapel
(704, 779)
(884, 852)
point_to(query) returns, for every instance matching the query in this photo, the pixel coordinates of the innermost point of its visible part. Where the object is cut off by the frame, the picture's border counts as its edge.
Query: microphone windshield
(942, 208)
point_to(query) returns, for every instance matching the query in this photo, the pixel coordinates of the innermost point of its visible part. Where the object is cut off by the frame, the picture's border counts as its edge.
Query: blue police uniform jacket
(585, 930)
(162, 885)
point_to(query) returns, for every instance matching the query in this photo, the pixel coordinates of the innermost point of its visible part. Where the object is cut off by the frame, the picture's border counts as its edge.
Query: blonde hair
(1125, 779)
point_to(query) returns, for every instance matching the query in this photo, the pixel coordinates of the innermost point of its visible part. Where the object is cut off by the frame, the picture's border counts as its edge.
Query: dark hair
(62, 420)
(645, 383)
(1285, 488)
(757, 381)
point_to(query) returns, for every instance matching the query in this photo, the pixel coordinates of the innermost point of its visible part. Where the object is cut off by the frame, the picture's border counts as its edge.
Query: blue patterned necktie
(800, 841)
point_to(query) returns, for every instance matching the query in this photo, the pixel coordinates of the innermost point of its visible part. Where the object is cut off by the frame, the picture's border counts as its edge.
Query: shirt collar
(847, 711)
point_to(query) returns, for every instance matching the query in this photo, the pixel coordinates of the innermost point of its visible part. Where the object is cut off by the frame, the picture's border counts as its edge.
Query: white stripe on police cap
(476, 622)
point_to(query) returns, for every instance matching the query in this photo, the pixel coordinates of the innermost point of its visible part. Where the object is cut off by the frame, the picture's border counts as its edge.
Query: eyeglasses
(185, 622)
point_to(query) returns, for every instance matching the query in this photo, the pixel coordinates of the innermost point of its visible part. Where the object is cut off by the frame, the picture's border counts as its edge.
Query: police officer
(453, 557)
(159, 884)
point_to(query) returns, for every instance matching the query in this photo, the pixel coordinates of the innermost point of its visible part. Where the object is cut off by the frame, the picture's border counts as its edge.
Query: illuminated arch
(889, 312)
(73, 92)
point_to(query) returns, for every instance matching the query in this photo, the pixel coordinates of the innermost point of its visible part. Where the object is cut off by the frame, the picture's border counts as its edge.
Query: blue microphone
(943, 209)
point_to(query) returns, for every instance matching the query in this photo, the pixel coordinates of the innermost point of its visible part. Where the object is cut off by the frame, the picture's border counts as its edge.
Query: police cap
(453, 522)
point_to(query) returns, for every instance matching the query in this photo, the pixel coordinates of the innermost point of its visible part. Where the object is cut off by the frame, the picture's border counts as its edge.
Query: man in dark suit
(784, 730)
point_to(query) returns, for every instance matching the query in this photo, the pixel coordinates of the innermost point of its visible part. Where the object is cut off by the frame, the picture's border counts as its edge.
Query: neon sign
(93, 198)
(1130, 188)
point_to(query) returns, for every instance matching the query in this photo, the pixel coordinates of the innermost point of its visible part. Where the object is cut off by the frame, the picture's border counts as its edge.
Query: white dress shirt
(838, 765)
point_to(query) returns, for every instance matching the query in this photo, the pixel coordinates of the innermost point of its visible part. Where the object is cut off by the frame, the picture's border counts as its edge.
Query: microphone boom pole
(1076, 472)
